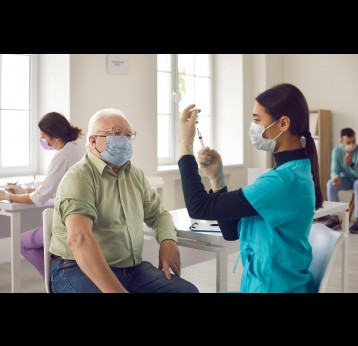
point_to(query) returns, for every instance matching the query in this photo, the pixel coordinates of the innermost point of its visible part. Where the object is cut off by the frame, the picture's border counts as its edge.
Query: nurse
(272, 217)
(56, 133)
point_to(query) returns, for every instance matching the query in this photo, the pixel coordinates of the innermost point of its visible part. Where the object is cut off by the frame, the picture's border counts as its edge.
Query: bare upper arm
(78, 225)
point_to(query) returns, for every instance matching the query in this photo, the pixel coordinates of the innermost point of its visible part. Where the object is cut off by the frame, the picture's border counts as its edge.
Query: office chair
(47, 216)
(325, 245)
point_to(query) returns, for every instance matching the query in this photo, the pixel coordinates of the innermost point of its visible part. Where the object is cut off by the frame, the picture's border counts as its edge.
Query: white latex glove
(211, 164)
(15, 189)
(187, 130)
(4, 195)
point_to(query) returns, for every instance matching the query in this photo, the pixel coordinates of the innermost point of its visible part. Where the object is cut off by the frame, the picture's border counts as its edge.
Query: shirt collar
(101, 165)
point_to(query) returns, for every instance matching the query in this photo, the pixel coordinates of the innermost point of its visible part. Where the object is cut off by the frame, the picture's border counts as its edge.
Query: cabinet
(320, 128)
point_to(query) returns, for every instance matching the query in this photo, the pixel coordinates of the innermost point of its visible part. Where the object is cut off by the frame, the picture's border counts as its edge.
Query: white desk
(14, 212)
(206, 241)
(214, 242)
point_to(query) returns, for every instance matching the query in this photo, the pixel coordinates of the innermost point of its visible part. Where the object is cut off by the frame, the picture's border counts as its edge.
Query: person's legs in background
(354, 227)
(32, 248)
(332, 195)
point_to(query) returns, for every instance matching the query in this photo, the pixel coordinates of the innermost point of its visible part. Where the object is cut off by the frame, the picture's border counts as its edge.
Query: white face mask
(350, 147)
(261, 143)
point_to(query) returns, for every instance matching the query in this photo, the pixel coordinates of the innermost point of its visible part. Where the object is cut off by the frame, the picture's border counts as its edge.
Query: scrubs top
(274, 244)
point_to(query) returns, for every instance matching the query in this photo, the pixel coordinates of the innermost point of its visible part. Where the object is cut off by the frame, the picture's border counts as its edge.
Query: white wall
(135, 94)
(54, 94)
(329, 81)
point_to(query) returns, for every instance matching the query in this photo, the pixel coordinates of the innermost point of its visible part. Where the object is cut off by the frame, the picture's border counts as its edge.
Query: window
(182, 79)
(18, 114)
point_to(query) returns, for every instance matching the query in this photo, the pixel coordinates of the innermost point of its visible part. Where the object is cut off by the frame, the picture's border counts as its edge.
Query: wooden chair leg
(351, 206)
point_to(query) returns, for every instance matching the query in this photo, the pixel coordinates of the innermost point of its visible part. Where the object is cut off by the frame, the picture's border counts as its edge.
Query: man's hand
(4, 195)
(336, 181)
(169, 257)
(348, 159)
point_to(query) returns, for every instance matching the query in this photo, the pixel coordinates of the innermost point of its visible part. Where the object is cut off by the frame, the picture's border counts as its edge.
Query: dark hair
(286, 99)
(347, 132)
(56, 125)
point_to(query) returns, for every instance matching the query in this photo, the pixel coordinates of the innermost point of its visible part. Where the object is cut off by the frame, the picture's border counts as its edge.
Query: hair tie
(303, 142)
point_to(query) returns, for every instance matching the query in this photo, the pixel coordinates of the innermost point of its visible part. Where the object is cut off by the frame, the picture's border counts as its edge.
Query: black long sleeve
(226, 207)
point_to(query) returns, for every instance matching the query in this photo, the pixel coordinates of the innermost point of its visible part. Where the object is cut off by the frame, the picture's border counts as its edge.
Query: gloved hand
(187, 130)
(15, 189)
(4, 195)
(211, 164)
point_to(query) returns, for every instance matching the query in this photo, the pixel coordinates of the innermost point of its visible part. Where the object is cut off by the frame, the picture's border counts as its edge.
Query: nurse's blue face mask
(119, 145)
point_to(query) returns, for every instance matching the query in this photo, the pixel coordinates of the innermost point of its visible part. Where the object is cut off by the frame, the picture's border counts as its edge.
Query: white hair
(93, 124)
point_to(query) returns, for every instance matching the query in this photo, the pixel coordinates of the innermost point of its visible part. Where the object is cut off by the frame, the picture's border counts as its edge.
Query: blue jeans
(67, 277)
(346, 184)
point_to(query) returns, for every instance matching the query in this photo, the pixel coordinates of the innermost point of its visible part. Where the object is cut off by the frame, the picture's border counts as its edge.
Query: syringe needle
(200, 138)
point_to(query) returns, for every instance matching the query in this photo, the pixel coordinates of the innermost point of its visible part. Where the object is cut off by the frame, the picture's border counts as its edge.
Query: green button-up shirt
(118, 205)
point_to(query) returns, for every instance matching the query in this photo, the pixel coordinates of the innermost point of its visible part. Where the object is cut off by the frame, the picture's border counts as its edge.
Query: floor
(203, 274)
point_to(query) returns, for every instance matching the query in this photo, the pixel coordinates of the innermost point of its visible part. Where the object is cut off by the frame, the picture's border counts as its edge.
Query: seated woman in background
(56, 133)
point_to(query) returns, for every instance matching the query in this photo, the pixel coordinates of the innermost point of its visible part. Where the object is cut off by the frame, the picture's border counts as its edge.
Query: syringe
(200, 138)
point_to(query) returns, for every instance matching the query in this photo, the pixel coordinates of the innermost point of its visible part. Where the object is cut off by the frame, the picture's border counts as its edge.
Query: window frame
(172, 159)
(32, 167)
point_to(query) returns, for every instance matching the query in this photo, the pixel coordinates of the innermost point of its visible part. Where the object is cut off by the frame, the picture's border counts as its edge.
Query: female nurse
(272, 217)
(56, 133)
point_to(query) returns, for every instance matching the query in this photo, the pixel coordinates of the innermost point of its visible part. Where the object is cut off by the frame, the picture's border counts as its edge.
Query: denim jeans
(67, 277)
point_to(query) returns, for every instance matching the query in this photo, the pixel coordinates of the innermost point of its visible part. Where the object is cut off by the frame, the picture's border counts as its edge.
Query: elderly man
(100, 207)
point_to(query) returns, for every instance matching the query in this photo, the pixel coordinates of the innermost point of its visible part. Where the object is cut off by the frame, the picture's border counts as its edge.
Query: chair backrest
(47, 216)
(325, 244)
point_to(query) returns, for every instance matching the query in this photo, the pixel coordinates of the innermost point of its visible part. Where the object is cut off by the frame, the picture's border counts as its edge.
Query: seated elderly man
(100, 207)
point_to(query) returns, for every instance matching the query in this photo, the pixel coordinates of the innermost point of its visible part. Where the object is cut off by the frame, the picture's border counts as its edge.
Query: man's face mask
(350, 147)
(118, 150)
(261, 143)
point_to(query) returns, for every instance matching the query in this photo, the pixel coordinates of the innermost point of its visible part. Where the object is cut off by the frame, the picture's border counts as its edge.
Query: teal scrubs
(274, 245)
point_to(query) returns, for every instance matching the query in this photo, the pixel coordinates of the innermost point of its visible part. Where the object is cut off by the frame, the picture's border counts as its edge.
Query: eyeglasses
(117, 131)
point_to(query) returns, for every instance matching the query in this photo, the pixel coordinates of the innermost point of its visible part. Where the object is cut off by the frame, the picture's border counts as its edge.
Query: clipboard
(204, 226)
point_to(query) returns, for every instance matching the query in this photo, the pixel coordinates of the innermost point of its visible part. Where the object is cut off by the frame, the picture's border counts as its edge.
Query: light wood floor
(203, 274)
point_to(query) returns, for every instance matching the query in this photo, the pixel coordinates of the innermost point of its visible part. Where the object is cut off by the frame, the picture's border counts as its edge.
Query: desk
(14, 212)
(214, 242)
(206, 241)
